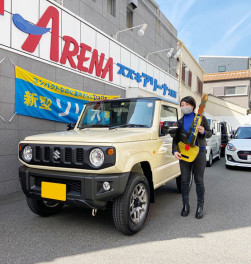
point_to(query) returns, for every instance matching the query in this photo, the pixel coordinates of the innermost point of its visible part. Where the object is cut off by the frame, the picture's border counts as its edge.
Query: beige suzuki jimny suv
(118, 152)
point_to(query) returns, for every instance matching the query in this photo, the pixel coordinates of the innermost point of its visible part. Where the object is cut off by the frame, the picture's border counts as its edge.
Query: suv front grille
(47, 154)
(80, 155)
(59, 156)
(68, 156)
(71, 185)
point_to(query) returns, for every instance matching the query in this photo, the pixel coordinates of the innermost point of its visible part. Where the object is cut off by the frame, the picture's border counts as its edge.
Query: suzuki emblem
(56, 155)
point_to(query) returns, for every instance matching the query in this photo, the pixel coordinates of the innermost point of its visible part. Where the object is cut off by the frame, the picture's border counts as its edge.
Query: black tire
(125, 203)
(223, 152)
(43, 208)
(210, 162)
(178, 183)
(218, 158)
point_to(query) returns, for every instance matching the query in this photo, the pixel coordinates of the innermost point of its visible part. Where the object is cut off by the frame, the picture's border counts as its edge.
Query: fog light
(106, 186)
(230, 158)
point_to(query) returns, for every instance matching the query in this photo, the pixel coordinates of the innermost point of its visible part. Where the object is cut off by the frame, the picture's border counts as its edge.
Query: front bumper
(84, 190)
(232, 159)
(208, 148)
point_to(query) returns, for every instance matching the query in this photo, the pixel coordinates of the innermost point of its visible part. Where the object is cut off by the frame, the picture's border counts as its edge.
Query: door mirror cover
(71, 126)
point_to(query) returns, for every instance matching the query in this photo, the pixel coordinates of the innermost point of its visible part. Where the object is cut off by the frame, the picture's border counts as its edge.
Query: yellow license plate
(55, 191)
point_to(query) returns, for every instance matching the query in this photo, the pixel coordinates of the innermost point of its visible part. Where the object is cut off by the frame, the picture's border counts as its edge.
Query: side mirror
(173, 131)
(71, 126)
(165, 128)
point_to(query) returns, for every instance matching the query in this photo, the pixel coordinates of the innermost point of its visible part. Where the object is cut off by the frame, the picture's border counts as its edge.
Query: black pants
(197, 167)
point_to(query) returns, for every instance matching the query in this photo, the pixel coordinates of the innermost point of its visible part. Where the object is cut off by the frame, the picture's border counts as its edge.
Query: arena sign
(56, 35)
(35, 36)
(1, 7)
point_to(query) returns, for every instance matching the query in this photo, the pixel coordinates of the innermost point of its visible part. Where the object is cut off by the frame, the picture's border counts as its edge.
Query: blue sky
(211, 27)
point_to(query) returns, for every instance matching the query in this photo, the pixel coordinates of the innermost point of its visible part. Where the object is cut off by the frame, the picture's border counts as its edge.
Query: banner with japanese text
(41, 98)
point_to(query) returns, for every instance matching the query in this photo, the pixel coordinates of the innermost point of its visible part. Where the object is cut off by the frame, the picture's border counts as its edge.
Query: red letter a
(1, 7)
(32, 41)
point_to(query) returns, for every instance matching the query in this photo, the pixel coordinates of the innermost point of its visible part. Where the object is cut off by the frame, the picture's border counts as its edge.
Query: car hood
(95, 135)
(241, 143)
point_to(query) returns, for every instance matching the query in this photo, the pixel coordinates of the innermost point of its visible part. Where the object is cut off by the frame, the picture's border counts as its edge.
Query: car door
(214, 137)
(167, 164)
(218, 138)
(229, 132)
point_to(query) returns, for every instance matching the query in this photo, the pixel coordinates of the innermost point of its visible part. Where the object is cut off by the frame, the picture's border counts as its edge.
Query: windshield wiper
(127, 125)
(90, 126)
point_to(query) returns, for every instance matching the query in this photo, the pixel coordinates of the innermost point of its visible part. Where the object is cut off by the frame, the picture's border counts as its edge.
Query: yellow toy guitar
(189, 150)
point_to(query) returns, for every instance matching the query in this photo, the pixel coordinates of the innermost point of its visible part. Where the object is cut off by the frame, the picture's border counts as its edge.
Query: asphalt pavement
(75, 236)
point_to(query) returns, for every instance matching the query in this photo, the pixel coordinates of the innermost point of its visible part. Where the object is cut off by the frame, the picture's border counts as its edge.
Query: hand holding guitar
(201, 129)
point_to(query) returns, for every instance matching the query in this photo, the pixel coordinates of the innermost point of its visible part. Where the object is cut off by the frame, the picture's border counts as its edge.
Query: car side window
(229, 129)
(213, 125)
(168, 114)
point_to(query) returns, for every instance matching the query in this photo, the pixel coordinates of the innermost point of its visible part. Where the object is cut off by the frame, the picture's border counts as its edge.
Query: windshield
(134, 113)
(243, 133)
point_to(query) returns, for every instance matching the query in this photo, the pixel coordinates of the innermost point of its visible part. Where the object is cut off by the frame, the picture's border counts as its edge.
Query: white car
(238, 150)
(214, 142)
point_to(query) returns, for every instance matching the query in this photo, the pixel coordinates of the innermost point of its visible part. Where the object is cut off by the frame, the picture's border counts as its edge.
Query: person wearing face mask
(197, 167)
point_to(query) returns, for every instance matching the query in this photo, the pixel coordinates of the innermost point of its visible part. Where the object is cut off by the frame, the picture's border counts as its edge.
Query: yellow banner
(59, 89)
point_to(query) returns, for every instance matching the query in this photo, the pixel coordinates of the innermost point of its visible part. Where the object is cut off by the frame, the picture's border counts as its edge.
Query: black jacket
(181, 134)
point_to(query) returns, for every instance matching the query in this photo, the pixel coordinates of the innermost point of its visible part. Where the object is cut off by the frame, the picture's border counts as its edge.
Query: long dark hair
(190, 100)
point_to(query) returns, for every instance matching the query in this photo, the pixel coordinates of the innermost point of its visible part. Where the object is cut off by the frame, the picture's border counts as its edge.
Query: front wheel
(218, 158)
(131, 208)
(44, 208)
(210, 161)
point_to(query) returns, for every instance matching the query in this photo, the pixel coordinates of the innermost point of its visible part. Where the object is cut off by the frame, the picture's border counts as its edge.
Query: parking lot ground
(75, 236)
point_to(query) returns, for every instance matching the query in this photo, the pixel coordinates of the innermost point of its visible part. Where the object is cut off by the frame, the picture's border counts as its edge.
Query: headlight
(231, 147)
(97, 157)
(27, 154)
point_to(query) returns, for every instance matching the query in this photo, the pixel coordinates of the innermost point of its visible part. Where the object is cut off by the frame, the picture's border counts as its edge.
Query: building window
(111, 7)
(236, 90)
(186, 75)
(183, 74)
(190, 78)
(200, 86)
(229, 90)
(221, 68)
(129, 17)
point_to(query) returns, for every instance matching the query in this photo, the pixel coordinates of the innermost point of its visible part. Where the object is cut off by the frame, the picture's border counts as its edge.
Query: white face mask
(186, 110)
